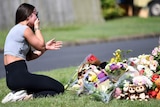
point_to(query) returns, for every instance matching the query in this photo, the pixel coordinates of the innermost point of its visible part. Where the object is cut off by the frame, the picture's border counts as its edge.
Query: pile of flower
(135, 78)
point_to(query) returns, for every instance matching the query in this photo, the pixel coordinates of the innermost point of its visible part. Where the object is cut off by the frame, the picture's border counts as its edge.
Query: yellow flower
(112, 60)
(117, 56)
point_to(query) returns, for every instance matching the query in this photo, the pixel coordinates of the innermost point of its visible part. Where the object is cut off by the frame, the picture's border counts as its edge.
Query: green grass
(111, 29)
(69, 98)
(127, 26)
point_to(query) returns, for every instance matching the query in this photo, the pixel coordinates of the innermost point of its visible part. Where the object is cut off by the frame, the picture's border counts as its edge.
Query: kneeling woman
(18, 48)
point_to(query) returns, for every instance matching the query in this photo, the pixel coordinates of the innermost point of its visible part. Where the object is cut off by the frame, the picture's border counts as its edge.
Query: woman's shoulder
(19, 27)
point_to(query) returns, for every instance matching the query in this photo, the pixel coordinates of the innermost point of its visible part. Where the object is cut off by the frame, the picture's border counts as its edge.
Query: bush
(110, 9)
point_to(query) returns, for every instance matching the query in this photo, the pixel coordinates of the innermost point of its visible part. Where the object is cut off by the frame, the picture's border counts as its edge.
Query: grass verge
(69, 98)
(124, 27)
(118, 28)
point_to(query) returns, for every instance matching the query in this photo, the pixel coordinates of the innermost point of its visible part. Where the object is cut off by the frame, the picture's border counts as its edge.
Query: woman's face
(32, 18)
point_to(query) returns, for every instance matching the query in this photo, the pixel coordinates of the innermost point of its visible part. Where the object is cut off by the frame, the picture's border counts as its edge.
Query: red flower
(92, 58)
(152, 94)
(154, 77)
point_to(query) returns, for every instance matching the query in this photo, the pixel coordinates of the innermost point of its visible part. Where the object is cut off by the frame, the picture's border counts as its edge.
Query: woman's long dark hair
(23, 12)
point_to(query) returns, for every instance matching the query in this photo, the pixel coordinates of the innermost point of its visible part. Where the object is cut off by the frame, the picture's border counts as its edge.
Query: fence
(54, 12)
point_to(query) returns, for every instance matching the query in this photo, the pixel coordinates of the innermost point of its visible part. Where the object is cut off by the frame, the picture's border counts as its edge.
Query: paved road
(74, 55)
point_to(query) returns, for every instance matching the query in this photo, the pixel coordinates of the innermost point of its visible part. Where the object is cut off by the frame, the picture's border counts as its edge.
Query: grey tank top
(15, 43)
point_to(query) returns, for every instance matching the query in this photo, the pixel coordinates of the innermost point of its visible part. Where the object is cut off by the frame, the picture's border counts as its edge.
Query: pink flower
(155, 51)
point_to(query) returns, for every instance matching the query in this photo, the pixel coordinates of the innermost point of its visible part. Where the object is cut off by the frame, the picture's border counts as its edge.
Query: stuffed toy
(157, 83)
(141, 91)
(132, 92)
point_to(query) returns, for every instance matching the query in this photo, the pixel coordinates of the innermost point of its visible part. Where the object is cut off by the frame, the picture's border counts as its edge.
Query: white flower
(142, 80)
(153, 65)
(155, 51)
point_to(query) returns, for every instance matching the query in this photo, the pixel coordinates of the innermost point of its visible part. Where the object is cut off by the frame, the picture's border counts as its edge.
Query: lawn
(110, 29)
(69, 98)
(124, 27)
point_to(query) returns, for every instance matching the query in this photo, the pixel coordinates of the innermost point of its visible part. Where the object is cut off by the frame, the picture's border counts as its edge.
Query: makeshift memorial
(135, 78)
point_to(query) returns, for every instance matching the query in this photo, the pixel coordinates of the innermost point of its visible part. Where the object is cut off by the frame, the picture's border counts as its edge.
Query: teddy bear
(157, 89)
(132, 92)
(141, 91)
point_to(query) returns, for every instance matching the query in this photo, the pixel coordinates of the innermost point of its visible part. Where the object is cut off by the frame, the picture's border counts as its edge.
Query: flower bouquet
(156, 55)
(118, 76)
(116, 66)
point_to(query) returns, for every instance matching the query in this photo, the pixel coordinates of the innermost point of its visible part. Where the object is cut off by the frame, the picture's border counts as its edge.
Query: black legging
(18, 78)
